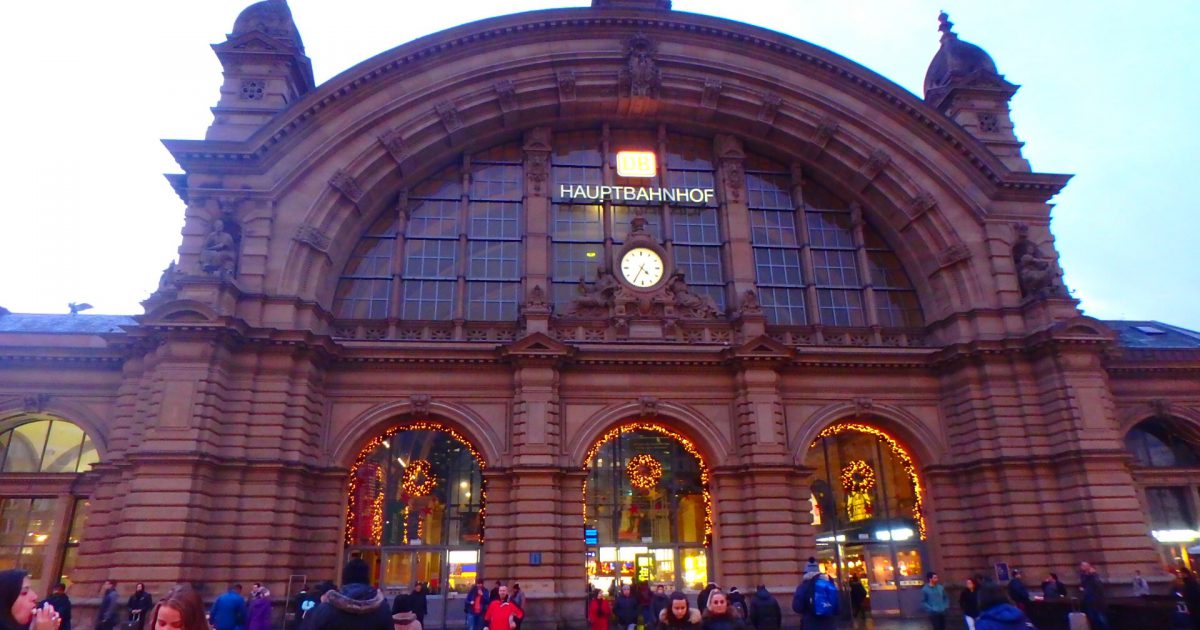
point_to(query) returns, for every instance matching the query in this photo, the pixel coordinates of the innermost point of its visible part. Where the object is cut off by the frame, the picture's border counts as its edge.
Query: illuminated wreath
(412, 481)
(858, 476)
(644, 471)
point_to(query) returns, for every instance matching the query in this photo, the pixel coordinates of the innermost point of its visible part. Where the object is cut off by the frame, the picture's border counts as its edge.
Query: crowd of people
(985, 604)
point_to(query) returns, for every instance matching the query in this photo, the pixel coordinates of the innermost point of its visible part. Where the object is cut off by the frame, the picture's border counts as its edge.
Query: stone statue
(644, 77)
(688, 302)
(219, 256)
(597, 297)
(1036, 274)
(750, 305)
(169, 280)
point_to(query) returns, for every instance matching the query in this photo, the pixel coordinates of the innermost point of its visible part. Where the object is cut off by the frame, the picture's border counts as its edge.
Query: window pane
(695, 226)
(830, 229)
(777, 266)
(573, 261)
(493, 301)
(773, 229)
(700, 265)
(398, 569)
(494, 220)
(783, 306)
(362, 299)
(689, 153)
(426, 299)
(62, 448)
(840, 307)
(4, 438)
(372, 258)
(32, 558)
(768, 191)
(446, 185)
(897, 308)
(14, 516)
(886, 271)
(493, 260)
(25, 447)
(577, 223)
(622, 221)
(431, 259)
(836, 268)
(1169, 508)
(580, 148)
(496, 182)
(78, 521)
(88, 457)
(69, 560)
(434, 219)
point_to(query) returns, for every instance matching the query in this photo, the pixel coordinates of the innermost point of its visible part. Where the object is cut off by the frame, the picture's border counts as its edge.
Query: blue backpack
(824, 597)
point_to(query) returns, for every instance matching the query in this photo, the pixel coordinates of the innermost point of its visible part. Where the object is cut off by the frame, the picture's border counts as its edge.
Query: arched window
(646, 512)
(1155, 444)
(53, 451)
(446, 255)
(851, 264)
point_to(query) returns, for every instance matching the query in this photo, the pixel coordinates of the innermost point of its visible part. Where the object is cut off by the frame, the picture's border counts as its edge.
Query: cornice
(258, 151)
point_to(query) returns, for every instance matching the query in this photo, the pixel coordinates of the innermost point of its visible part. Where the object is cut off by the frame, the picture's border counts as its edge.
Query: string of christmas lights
(352, 507)
(644, 471)
(683, 441)
(858, 476)
(413, 473)
(898, 450)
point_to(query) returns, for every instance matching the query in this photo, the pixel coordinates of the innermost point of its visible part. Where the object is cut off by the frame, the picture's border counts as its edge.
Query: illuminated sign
(630, 193)
(636, 164)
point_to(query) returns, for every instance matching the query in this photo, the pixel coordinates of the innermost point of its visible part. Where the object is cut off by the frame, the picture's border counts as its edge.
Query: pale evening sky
(1108, 93)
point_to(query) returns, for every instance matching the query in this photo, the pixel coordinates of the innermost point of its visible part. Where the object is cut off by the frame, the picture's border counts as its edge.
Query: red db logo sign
(636, 164)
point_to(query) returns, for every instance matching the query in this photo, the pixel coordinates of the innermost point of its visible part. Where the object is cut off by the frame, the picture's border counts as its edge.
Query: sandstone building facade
(594, 294)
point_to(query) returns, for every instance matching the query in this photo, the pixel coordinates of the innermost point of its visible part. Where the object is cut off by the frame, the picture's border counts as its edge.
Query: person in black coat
(765, 613)
(1053, 588)
(355, 606)
(658, 602)
(61, 603)
(858, 598)
(625, 609)
(139, 605)
(968, 601)
(702, 598)
(719, 615)
(1017, 590)
(420, 605)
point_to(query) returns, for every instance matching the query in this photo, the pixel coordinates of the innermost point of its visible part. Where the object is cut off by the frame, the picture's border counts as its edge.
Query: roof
(63, 324)
(1153, 334)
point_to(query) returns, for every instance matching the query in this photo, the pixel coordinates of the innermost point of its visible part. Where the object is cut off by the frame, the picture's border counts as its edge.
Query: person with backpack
(997, 612)
(764, 611)
(737, 603)
(934, 600)
(819, 603)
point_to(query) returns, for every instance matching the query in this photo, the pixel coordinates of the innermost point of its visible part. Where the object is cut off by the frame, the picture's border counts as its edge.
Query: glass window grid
(783, 305)
(772, 228)
(830, 230)
(766, 190)
(622, 220)
(428, 259)
(434, 218)
(577, 223)
(836, 269)
(1169, 508)
(496, 181)
(886, 270)
(80, 449)
(492, 300)
(493, 260)
(695, 226)
(840, 307)
(372, 258)
(427, 299)
(494, 220)
(897, 308)
(774, 236)
(26, 525)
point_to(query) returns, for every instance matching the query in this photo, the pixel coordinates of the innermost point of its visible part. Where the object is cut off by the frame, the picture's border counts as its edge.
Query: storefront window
(26, 526)
(647, 507)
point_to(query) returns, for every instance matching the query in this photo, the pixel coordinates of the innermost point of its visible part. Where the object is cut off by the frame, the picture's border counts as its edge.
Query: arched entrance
(647, 511)
(416, 511)
(868, 513)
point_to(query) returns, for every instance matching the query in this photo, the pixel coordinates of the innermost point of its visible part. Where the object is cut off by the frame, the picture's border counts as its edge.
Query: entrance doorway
(647, 510)
(415, 515)
(869, 515)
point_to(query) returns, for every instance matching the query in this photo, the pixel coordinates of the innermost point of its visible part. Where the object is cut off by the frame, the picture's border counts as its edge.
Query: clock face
(642, 267)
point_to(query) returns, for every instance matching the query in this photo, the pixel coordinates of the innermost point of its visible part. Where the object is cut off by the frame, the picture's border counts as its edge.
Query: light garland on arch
(644, 471)
(352, 506)
(688, 446)
(898, 450)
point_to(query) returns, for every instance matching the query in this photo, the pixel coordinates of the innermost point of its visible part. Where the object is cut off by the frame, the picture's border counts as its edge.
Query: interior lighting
(1175, 535)
(906, 462)
(902, 533)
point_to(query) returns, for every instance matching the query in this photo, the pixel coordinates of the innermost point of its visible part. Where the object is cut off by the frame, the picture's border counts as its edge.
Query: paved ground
(897, 624)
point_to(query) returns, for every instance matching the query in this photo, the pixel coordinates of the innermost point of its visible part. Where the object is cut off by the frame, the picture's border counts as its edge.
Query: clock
(642, 267)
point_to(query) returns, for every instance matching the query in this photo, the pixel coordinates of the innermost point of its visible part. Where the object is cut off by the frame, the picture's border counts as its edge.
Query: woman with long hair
(678, 615)
(18, 604)
(179, 609)
(968, 601)
(720, 615)
(598, 611)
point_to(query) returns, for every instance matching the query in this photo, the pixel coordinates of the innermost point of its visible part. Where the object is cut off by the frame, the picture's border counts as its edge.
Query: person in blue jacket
(229, 611)
(934, 600)
(996, 611)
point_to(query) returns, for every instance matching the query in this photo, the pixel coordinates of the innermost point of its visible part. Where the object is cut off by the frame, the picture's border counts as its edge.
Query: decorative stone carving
(1036, 273)
(420, 404)
(220, 253)
(641, 72)
(750, 304)
(728, 147)
(989, 122)
(953, 255)
(536, 301)
(595, 300)
(448, 113)
(538, 139)
(648, 406)
(711, 94)
(688, 303)
(393, 142)
(345, 183)
(824, 133)
(169, 280)
(506, 94)
(313, 237)
(730, 154)
(252, 89)
(862, 405)
(537, 171)
(769, 108)
(566, 86)
(878, 160)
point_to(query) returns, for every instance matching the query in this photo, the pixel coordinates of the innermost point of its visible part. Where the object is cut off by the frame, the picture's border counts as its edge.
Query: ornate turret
(265, 70)
(661, 5)
(962, 82)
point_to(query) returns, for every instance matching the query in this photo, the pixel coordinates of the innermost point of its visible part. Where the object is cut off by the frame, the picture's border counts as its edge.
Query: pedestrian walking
(625, 609)
(765, 613)
(228, 612)
(1093, 601)
(1141, 588)
(106, 615)
(495, 592)
(179, 609)
(258, 617)
(737, 603)
(1053, 588)
(62, 605)
(139, 606)
(501, 613)
(819, 603)
(1191, 595)
(702, 598)
(420, 605)
(476, 605)
(403, 615)
(934, 601)
(518, 599)
(719, 615)
(678, 615)
(355, 606)
(658, 602)
(18, 604)
(599, 611)
(996, 611)
(968, 601)
(1017, 591)
(858, 599)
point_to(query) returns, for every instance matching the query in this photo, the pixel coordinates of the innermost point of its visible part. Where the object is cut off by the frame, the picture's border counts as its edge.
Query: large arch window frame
(1165, 466)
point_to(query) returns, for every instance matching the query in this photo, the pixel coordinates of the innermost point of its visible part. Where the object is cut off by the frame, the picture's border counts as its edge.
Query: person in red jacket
(502, 614)
(599, 611)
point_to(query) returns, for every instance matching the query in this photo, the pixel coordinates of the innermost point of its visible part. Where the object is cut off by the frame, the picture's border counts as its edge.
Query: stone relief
(220, 253)
(642, 72)
(1036, 273)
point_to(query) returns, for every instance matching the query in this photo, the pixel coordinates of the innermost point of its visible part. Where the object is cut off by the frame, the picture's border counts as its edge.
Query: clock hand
(640, 270)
